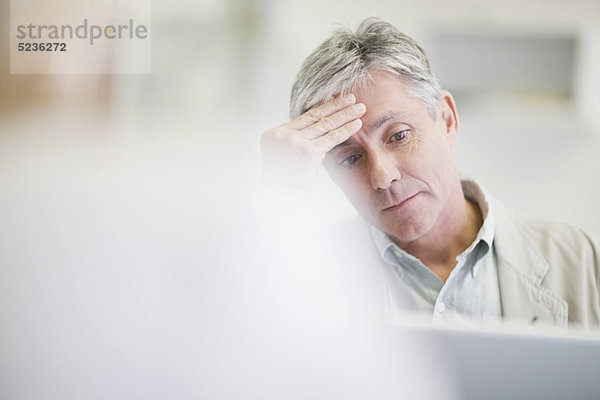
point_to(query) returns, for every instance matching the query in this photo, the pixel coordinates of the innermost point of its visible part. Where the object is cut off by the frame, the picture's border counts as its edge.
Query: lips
(400, 203)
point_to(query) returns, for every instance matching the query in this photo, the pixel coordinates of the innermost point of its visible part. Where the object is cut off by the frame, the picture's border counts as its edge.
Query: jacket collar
(521, 272)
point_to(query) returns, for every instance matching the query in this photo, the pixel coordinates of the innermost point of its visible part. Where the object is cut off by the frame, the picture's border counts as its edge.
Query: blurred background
(524, 74)
(119, 194)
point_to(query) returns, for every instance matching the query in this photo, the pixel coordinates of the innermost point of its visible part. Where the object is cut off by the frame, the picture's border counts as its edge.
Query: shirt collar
(477, 194)
(472, 191)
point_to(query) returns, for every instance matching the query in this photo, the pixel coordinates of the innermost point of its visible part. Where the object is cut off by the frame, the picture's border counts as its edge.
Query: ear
(449, 116)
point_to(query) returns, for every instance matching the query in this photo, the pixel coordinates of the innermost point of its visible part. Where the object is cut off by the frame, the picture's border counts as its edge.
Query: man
(368, 106)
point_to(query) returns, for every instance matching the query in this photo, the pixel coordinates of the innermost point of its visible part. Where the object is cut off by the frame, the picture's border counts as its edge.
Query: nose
(383, 170)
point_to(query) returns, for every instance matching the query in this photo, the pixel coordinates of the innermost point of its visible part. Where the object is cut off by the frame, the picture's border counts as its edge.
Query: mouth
(401, 203)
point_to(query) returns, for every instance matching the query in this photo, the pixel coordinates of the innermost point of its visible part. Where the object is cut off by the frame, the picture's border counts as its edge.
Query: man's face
(398, 170)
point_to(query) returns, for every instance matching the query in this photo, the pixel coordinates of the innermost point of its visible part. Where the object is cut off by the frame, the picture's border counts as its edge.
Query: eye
(399, 136)
(350, 161)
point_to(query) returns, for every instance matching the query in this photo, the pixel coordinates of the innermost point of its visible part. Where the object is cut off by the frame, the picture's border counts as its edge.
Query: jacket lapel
(521, 271)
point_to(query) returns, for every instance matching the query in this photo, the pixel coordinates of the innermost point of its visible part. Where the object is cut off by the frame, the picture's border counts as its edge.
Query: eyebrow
(382, 120)
(378, 123)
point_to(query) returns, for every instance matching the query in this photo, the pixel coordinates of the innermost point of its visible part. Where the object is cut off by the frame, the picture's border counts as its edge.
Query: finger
(324, 110)
(334, 121)
(337, 136)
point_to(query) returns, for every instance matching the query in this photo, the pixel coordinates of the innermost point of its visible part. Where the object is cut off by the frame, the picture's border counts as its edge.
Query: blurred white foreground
(136, 267)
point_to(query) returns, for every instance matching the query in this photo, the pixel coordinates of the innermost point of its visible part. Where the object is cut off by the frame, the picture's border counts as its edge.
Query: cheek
(435, 153)
(441, 168)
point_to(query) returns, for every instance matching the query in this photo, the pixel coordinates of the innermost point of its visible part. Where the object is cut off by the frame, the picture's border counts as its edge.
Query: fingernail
(361, 107)
(349, 98)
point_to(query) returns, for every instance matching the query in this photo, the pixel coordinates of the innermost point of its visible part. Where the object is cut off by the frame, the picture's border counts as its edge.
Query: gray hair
(347, 61)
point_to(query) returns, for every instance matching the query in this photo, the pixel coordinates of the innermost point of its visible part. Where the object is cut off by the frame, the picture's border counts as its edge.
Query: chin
(405, 232)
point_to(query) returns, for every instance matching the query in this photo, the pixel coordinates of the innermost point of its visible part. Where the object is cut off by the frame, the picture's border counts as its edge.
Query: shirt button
(441, 307)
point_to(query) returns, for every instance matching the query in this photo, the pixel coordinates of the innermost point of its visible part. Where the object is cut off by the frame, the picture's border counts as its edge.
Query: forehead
(389, 102)
(389, 99)
(385, 88)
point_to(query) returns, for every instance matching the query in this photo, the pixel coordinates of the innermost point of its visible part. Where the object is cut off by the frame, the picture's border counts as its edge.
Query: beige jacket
(548, 272)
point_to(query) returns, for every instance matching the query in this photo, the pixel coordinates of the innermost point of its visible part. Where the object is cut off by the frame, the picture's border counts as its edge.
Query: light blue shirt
(471, 290)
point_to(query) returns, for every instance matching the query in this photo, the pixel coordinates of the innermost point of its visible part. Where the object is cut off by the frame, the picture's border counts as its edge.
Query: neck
(454, 232)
